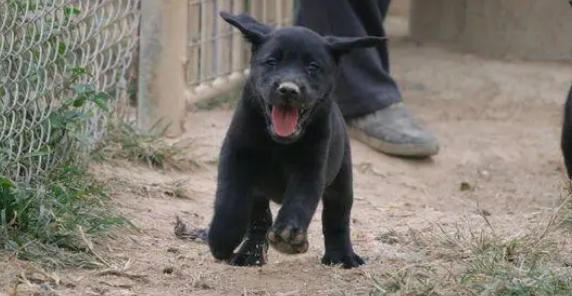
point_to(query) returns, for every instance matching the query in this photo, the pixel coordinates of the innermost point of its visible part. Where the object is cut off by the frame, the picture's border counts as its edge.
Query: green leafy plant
(49, 203)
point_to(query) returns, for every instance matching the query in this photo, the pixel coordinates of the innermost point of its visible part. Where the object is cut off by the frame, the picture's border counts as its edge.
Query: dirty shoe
(394, 131)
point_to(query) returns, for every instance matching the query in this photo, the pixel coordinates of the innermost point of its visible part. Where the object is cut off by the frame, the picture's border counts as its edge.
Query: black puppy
(566, 136)
(287, 142)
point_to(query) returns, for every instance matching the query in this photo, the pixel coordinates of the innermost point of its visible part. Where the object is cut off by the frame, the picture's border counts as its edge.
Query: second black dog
(566, 136)
(566, 132)
(287, 142)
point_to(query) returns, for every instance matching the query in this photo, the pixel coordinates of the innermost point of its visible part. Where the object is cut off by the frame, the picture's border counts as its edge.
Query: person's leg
(368, 97)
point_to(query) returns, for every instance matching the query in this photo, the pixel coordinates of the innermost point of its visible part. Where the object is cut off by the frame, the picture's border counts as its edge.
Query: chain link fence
(63, 66)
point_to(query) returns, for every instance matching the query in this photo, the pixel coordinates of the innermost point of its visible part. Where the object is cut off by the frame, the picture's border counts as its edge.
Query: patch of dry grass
(125, 142)
(533, 260)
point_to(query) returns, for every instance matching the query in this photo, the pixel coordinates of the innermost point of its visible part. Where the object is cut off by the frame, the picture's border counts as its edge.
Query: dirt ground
(498, 125)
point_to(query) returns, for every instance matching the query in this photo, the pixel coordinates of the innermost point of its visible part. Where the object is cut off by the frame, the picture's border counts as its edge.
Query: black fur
(566, 136)
(313, 163)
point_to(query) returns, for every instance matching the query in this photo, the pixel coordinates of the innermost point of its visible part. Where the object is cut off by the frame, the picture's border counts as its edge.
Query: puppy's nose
(288, 89)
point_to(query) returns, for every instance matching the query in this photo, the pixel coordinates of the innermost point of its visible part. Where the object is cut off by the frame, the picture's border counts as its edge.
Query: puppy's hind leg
(234, 198)
(254, 250)
(337, 205)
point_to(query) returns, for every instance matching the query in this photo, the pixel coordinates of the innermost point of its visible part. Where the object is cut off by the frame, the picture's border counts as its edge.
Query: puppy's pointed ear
(252, 30)
(343, 45)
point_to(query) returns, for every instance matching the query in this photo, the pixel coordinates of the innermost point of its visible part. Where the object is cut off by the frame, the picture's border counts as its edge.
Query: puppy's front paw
(252, 253)
(347, 260)
(288, 239)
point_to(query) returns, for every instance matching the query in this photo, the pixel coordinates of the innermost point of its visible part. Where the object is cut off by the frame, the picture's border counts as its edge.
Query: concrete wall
(400, 8)
(526, 29)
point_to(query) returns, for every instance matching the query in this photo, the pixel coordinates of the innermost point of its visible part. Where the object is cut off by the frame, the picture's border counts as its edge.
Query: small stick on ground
(114, 272)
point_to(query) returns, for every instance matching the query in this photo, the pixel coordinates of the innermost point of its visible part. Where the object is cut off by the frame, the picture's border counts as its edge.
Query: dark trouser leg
(364, 85)
(368, 97)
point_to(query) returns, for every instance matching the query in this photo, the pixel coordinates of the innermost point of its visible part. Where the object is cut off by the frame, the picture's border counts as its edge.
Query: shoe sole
(407, 150)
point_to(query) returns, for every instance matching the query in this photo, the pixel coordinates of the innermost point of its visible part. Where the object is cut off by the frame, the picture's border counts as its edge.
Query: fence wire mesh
(62, 64)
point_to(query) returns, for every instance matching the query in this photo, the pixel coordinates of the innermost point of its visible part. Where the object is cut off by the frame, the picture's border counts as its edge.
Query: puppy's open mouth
(285, 120)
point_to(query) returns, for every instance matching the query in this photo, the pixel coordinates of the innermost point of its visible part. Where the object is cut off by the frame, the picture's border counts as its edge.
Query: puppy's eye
(271, 62)
(313, 67)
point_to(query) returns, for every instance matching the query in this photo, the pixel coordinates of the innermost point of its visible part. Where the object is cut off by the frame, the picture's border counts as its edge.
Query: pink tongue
(284, 121)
